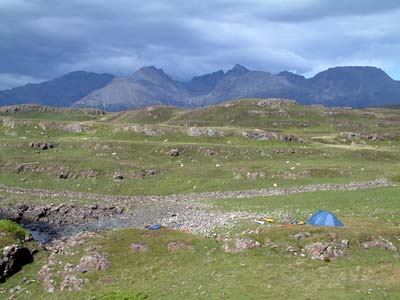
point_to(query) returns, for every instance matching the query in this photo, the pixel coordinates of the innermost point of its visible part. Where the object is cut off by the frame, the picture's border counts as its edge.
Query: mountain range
(338, 86)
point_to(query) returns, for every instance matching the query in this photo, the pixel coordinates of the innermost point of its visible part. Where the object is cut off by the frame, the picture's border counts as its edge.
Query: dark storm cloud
(43, 39)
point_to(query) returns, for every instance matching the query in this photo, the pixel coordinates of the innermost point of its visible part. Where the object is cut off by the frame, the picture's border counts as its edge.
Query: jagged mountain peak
(339, 86)
(237, 70)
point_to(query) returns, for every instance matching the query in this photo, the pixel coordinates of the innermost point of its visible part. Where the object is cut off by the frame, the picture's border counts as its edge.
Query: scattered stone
(71, 276)
(293, 250)
(141, 247)
(16, 290)
(146, 130)
(255, 175)
(373, 137)
(92, 261)
(41, 146)
(71, 282)
(276, 102)
(240, 245)
(301, 235)
(152, 172)
(379, 243)
(199, 131)
(28, 281)
(177, 245)
(207, 151)
(260, 135)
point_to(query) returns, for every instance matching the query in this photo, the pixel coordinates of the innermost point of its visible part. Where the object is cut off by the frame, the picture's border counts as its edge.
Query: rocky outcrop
(74, 128)
(199, 131)
(240, 245)
(62, 172)
(260, 135)
(59, 271)
(174, 152)
(13, 258)
(276, 102)
(379, 243)
(41, 145)
(146, 130)
(24, 108)
(326, 251)
(372, 137)
(49, 218)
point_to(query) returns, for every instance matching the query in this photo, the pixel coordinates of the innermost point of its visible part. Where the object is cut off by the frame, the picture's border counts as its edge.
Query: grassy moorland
(328, 145)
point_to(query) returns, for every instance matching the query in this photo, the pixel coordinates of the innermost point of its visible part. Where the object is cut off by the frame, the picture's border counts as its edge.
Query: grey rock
(13, 259)
(379, 243)
(174, 152)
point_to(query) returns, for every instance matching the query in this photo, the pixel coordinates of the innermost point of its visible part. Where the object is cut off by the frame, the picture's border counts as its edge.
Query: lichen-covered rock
(331, 250)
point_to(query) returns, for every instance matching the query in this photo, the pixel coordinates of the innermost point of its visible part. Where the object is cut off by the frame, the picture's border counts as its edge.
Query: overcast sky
(43, 39)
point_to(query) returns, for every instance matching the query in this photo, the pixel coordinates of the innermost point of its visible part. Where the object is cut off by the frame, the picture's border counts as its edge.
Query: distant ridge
(62, 91)
(147, 86)
(352, 86)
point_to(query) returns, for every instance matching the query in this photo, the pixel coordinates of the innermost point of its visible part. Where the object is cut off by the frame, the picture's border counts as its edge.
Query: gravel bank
(176, 198)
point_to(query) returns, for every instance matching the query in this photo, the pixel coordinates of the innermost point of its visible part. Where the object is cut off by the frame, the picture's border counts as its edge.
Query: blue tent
(324, 218)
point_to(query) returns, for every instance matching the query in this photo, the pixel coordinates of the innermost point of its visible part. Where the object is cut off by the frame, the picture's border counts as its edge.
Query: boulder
(63, 174)
(13, 259)
(174, 152)
(118, 177)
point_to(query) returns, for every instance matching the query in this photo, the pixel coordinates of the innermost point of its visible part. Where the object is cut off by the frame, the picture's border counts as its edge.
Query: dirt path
(176, 198)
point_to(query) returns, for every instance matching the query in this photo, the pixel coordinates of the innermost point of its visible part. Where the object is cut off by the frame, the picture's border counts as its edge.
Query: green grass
(208, 273)
(377, 204)
(10, 233)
